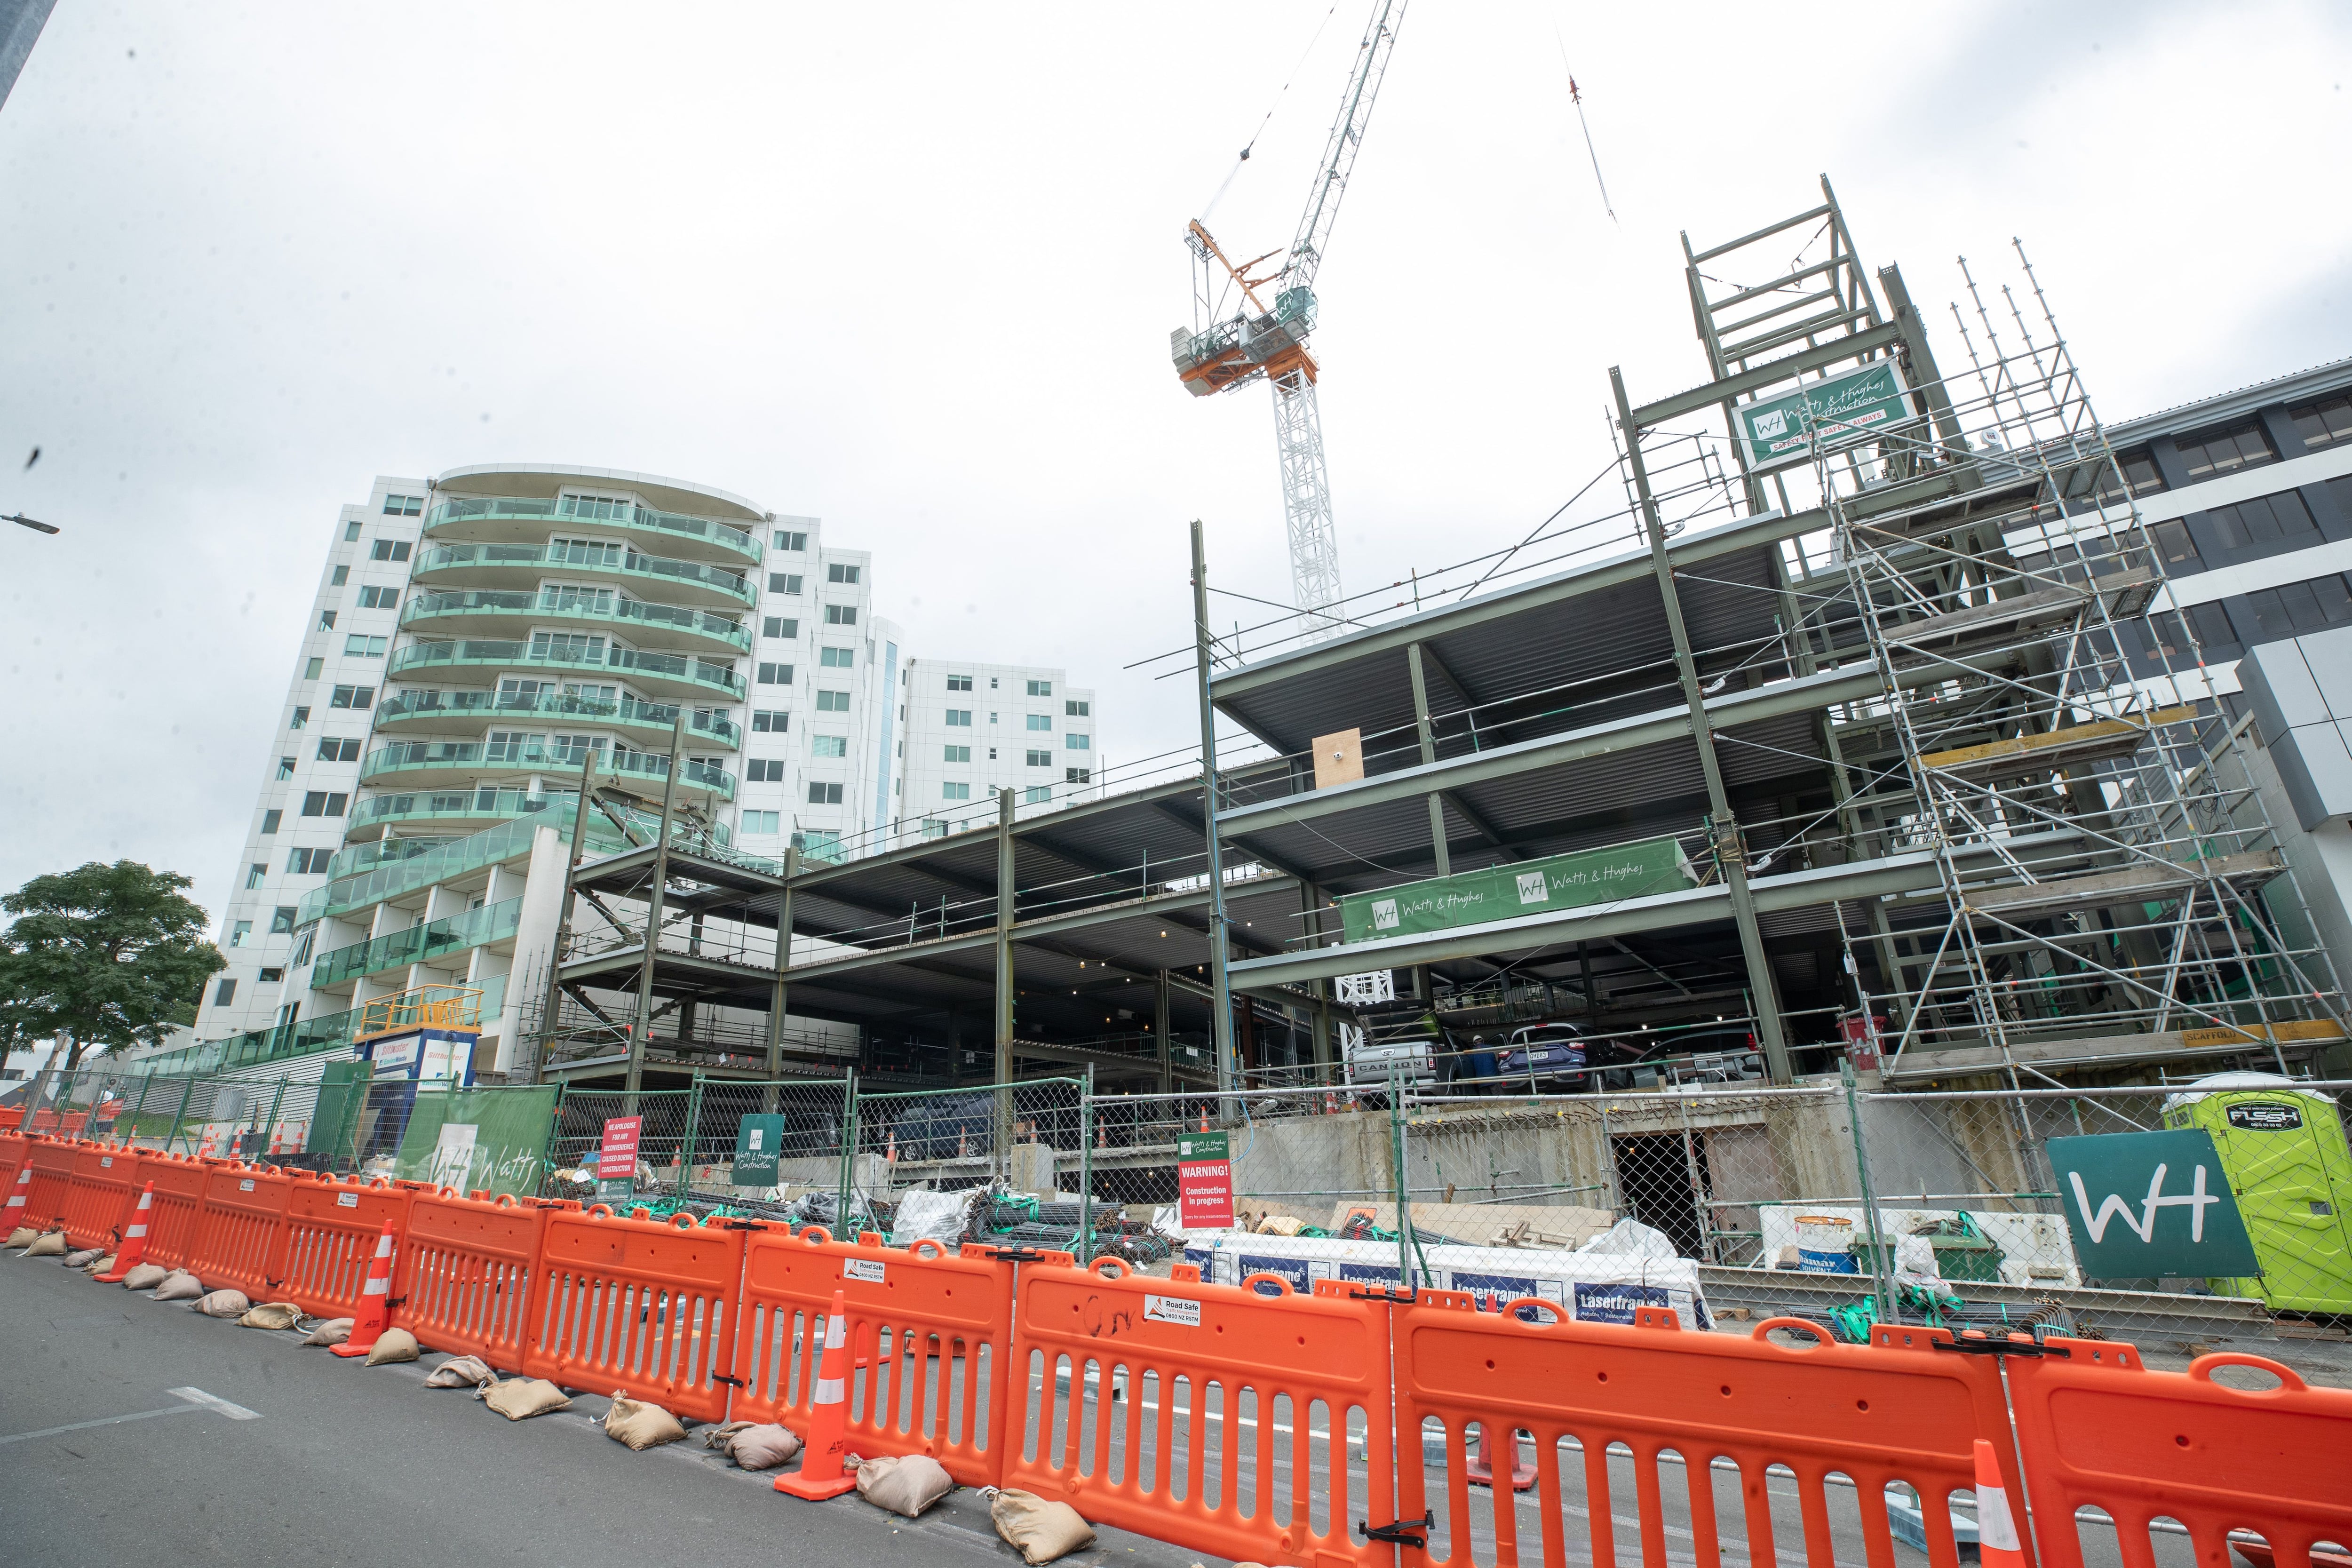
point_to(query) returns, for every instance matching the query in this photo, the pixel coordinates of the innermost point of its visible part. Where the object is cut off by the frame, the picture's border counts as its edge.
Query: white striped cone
(1997, 1543)
(134, 1240)
(821, 1475)
(374, 1315)
(16, 1210)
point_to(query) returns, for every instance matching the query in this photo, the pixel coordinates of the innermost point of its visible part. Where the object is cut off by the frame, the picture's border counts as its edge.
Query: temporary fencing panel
(103, 1187)
(1897, 1410)
(331, 1226)
(2096, 1428)
(53, 1165)
(177, 1219)
(241, 1240)
(464, 1277)
(15, 1150)
(930, 1342)
(1208, 1416)
(642, 1305)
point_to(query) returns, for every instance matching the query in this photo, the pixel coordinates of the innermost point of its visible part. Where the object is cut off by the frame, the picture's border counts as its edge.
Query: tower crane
(1220, 353)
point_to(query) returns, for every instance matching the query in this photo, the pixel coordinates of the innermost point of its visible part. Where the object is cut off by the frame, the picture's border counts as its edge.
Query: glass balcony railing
(596, 514)
(590, 558)
(301, 1038)
(475, 928)
(601, 607)
(518, 756)
(500, 653)
(526, 706)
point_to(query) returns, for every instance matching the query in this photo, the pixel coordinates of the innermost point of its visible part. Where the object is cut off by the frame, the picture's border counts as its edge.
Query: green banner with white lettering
(1821, 416)
(1525, 888)
(757, 1139)
(2143, 1205)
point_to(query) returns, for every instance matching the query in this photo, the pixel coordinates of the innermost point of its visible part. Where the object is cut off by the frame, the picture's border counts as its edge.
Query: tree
(112, 954)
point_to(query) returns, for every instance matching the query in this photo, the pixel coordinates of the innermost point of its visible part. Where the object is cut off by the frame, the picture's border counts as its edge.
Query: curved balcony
(424, 762)
(472, 712)
(454, 811)
(494, 610)
(489, 522)
(664, 674)
(521, 567)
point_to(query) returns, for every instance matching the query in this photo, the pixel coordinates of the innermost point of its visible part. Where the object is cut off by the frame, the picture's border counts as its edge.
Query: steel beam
(1852, 346)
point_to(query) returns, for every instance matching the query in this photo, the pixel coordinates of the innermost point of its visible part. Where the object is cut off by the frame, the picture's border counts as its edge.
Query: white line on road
(215, 1404)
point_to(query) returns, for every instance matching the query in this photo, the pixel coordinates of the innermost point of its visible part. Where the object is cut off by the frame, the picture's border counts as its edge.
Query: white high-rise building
(474, 639)
(972, 728)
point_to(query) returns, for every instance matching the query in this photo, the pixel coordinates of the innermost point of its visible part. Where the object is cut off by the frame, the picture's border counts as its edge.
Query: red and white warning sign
(1204, 1181)
(617, 1161)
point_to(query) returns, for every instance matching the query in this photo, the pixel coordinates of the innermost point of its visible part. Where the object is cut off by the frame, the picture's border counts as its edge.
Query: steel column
(1220, 1011)
(644, 1023)
(784, 962)
(1428, 758)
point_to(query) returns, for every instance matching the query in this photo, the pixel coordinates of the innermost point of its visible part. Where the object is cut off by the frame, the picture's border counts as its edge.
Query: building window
(379, 598)
(1040, 689)
(567, 647)
(1041, 720)
(1078, 742)
(934, 828)
(840, 571)
(2220, 451)
(285, 767)
(1077, 775)
(346, 750)
(825, 794)
(959, 717)
(301, 716)
(281, 920)
(833, 701)
(780, 627)
(389, 550)
(955, 792)
(828, 745)
(1038, 759)
(315, 668)
(784, 583)
(308, 862)
(357, 698)
(326, 620)
(2324, 423)
(1077, 709)
(761, 823)
(770, 722)
(2140, 477)
(240, 933)
(958, 683)
(256, 873)
(958, 753)
(2266, 525)
(764, 769)
(834, 657)
(1037, 795)
(225, 992)
(358, 646)
(351, 533)
(403, 506)
(271, 976)
(320, 803)
(775, 675)
(612, 507)
(2301, 607)
(791, 540)
(841, 615)
(343, 575)
(270, 819)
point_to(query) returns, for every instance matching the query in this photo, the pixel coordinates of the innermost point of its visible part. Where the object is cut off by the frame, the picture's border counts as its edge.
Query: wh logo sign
(2196, 1201)
(2165, 1208)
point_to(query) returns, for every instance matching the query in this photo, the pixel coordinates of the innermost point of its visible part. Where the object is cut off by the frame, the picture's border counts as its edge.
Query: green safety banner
(1821, 416)
(1528, 887)
(487, 1140)
(2143, 1205)
(757, 1139)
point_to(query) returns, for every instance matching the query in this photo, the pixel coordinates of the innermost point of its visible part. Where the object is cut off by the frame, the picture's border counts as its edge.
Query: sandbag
(520, 1398)
(461, 1372)
(759, 1447)
(639, 1425)
(392, 1345)
(179, 1286)
(904, 1483)
(224, 1304)
(1040, 1530)
(145, 1277)
(273, 1315)
(333, 1332)
(50, 1245)
(23, 1236)
(103, 1265)
(85, 1258)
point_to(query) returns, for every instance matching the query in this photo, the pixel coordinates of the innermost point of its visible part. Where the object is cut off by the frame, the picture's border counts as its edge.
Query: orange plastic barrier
(14, 1150)
(465, 1276)
(52, 1160)
(1204, 1414)
(636, 1304)
(2097, 1427)
(241, 1238)
(174, 1224)
(332, 1226)
(1896, 1410)
(930, 1342)
(104, 1185)
(11, 1116)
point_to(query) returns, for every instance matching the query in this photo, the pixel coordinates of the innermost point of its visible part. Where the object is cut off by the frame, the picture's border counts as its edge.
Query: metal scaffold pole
(1221, 1004)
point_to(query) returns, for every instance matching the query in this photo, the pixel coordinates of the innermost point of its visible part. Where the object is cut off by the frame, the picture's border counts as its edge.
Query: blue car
(1553, 1055)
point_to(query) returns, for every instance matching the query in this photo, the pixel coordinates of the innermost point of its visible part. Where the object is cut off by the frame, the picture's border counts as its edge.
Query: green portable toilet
(2283, 1150)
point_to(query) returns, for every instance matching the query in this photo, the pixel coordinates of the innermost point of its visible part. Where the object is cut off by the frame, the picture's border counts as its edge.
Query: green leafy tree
(112, 954)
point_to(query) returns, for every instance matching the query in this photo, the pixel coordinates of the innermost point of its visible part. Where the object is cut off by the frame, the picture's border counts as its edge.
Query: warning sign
(1172, 1309)
(868, 1269)
(616, 1160)
(1204, 1181)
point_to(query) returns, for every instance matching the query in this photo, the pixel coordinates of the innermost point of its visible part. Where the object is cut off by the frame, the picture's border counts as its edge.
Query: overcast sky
(912, 268)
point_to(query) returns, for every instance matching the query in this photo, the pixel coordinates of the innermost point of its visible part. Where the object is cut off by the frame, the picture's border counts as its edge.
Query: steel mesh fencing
(576, 1144)
(315, 1117)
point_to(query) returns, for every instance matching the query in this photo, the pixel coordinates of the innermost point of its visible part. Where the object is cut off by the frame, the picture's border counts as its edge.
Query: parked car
(1650, 1058)
(1549, 1056)
(1373, 1061)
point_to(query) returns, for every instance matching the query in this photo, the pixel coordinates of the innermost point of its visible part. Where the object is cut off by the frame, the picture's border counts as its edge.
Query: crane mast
(1258, 342)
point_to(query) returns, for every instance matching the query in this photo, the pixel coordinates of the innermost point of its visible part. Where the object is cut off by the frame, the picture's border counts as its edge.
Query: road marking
(215, 1404)
(103, 1421)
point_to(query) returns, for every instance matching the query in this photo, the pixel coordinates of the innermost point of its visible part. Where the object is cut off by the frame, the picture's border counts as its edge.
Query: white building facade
(973, 729)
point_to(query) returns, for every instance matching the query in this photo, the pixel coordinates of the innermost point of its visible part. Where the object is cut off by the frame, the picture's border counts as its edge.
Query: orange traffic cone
(375, 1301)
(13, 1214)
(1480, 1471)
(134, 1240)
(1997, 1543)
(821, 1476)
(890, 1154)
